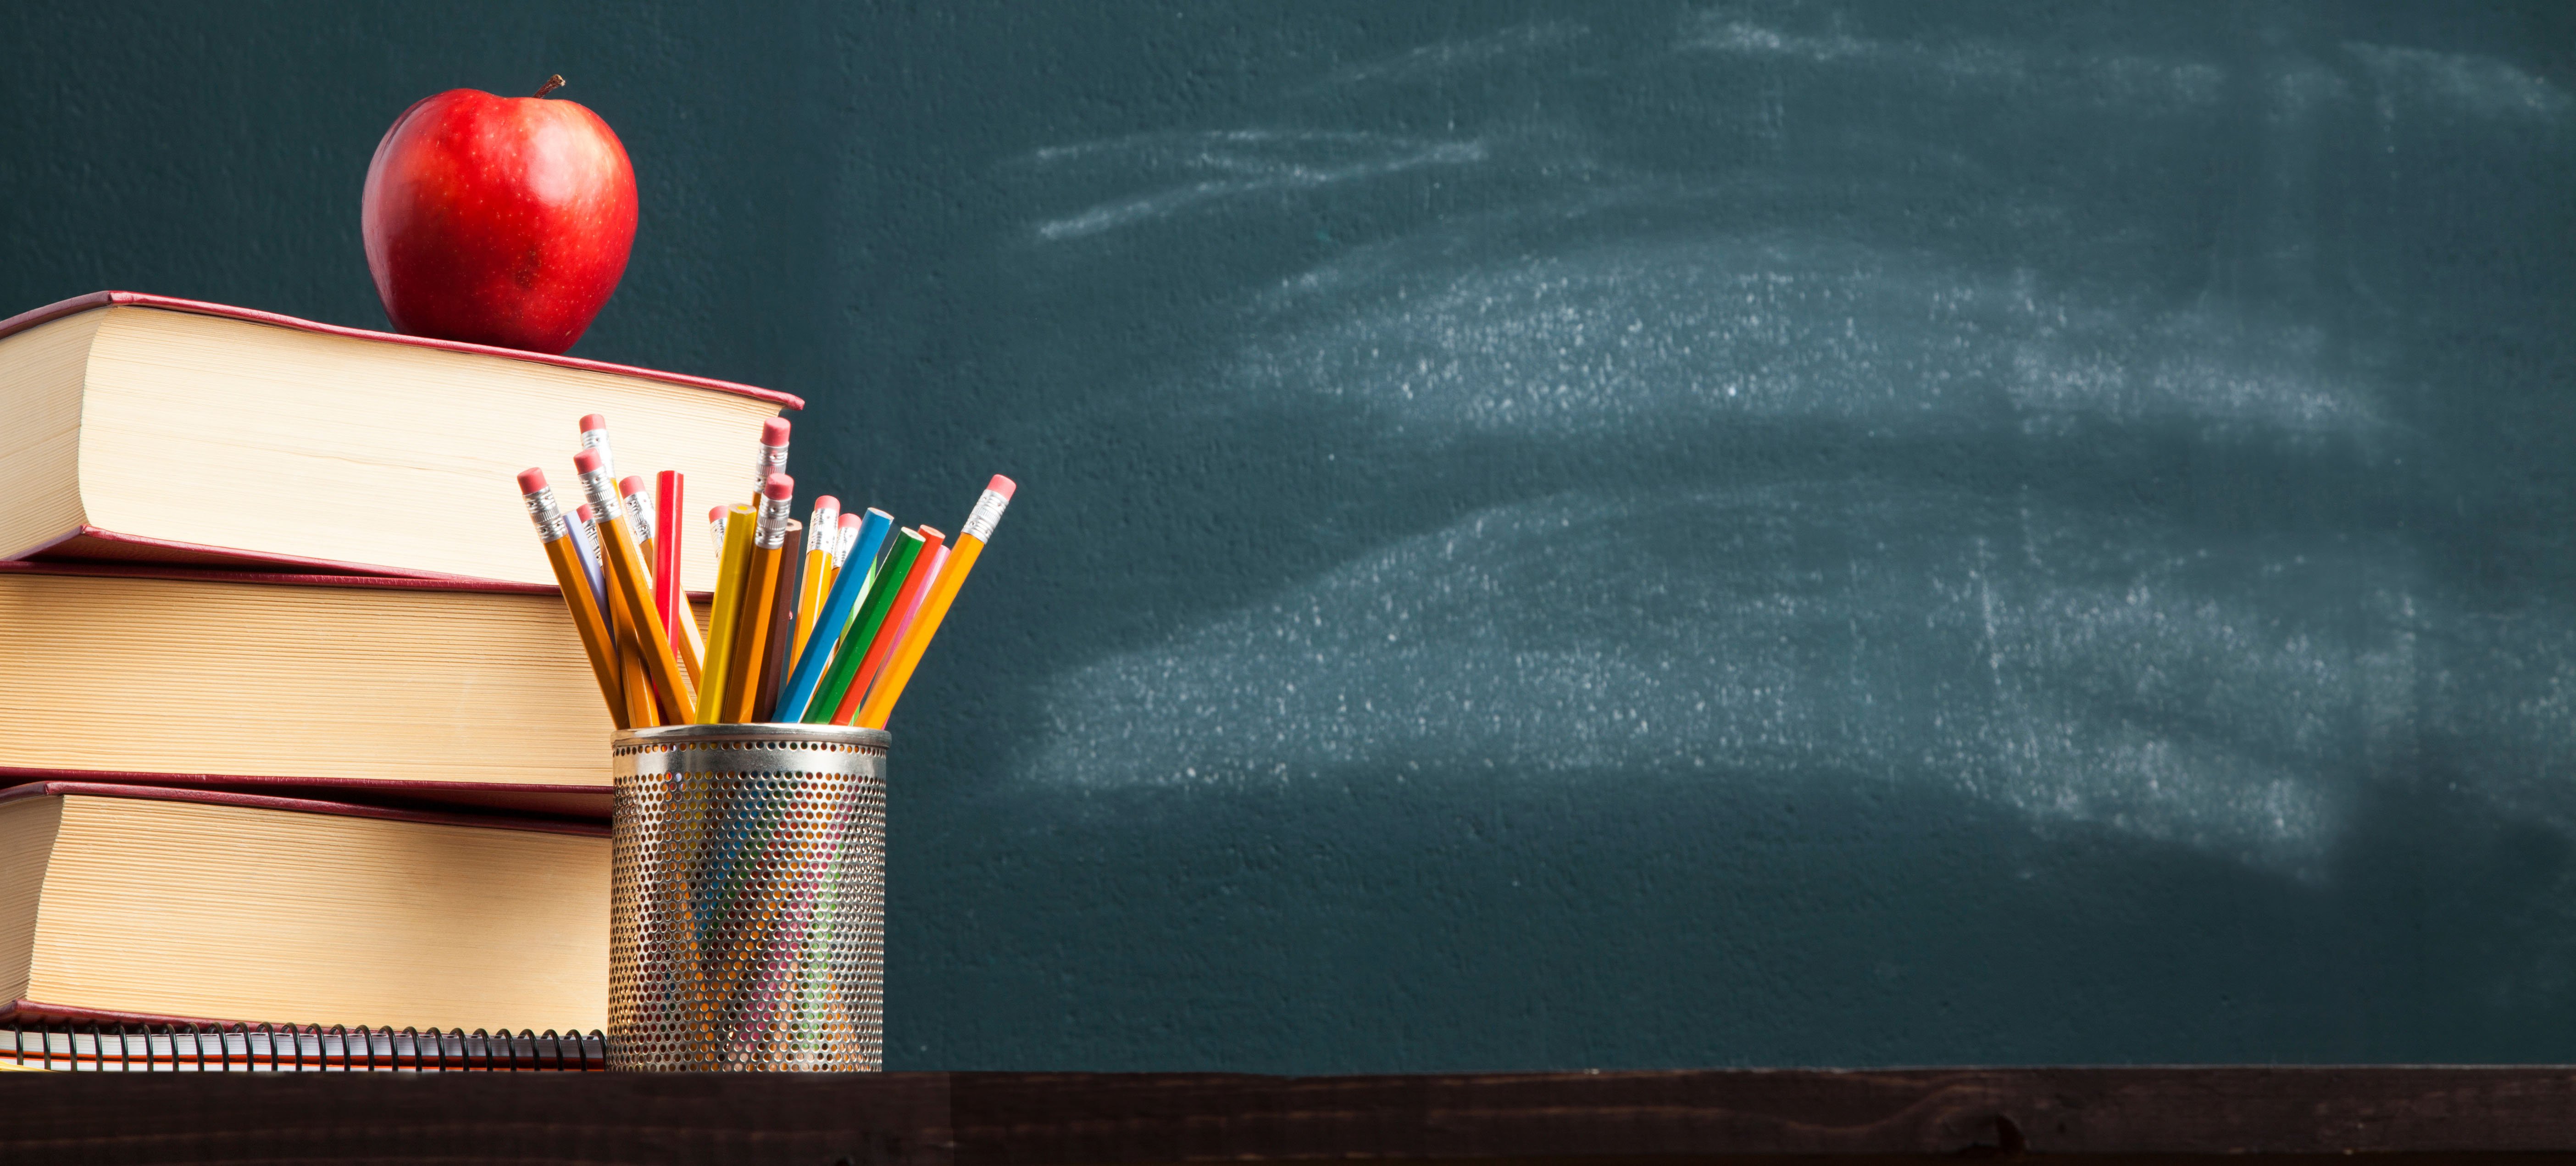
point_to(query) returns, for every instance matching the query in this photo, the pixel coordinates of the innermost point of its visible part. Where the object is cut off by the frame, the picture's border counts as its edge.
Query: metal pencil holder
(747, 907)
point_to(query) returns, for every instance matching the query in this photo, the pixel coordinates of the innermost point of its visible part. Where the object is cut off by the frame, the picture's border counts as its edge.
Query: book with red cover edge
(87, 542)
(24, 1009)
(576, 804)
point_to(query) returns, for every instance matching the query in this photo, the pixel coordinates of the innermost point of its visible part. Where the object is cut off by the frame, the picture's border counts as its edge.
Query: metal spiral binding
(294, 1048)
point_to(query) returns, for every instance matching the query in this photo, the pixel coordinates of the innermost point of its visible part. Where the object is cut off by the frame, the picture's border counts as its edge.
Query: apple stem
(552, 83)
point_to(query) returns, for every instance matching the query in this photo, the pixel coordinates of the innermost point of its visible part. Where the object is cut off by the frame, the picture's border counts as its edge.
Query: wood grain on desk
(1022, 1119)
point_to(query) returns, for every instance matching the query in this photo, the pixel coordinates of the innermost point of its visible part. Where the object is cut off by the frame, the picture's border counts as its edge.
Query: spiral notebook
(238, 1048)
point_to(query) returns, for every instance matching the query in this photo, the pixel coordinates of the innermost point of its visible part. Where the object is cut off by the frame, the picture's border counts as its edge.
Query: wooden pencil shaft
(841, 600)
(634, 686)
(668, 487)
(598, 642)
(633, 585)
(853, 649)
(729, 568)
(750, 632)
(907, 600)
(879, 706)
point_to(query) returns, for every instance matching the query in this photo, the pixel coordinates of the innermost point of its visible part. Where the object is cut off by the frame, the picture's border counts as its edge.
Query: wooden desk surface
(987, 1119)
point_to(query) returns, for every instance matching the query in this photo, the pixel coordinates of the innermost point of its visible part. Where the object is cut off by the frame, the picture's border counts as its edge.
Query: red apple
(498, 220)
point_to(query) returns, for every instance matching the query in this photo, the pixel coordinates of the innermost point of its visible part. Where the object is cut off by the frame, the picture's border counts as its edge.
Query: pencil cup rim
(754, 734)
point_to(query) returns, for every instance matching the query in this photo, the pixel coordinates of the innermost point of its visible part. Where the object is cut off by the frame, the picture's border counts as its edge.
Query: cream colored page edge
(45, 369)
(27, 828)
(233, 913)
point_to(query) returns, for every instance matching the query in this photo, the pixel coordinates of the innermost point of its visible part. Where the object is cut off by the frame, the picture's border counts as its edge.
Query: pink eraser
(632, 484)
(827, 502)
(773, 431)
(1001, 485)
(854, 520)
(590, 421)
(587, 461)
(715, 514)
(586, 514)
(531, 480)
(779, 488)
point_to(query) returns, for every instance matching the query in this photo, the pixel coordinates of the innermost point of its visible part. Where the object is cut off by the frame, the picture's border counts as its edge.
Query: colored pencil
(784, 614)
(585, 536)
(563, 554)
(752, 622)
(882, 585)
(907, 600)
(773, 456)
(668, 488)
(843, 540)
(737, 551)
(631, 583)
(971, 538)
(634, 677)
(835, 615)
(822, 535)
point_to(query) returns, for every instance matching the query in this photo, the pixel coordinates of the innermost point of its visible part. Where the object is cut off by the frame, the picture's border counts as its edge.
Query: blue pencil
(836, 612)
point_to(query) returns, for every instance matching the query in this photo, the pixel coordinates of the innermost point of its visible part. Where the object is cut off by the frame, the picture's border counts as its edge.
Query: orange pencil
(562, 553)
(636, 683)
(632, 587)
(943, 591)
(753, 617)
(906, 602)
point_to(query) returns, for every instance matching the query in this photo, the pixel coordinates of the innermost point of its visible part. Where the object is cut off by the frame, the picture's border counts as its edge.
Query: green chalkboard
(1554, 535)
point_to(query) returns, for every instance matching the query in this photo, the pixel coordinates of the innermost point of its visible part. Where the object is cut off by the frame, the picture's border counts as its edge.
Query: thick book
(166, 430)
(162, 905)
(353, 688)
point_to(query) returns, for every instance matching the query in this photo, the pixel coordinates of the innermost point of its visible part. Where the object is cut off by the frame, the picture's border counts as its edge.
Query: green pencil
(863, 630)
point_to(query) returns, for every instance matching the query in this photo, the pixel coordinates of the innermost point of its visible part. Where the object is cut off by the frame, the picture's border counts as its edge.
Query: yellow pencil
(562, 553)
(632, 587)
(822, 533)
(737, 551)
(943, 591)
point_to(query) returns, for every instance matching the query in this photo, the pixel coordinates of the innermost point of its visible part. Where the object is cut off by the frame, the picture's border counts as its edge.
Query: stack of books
(298, 729)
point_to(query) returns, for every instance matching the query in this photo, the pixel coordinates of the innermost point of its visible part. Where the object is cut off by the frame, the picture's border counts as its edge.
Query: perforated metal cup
(747, 908)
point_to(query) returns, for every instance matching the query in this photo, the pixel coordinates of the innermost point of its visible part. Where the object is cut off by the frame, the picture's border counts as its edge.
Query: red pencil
(666, 555)
(906, 601)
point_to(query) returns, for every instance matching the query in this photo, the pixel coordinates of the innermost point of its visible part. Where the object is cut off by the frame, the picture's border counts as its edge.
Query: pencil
(643, 705)
(842, 540)
(737, 550)
(773, 456)
(907, 609)
(907, 600)
(784, 615)
(952, 575)
(631, 584)
(752, 620)
(826, 627)
(822, 537)
(585, 536)
(594, 436)
(882, 584)
(563, 554)
(668, 487)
